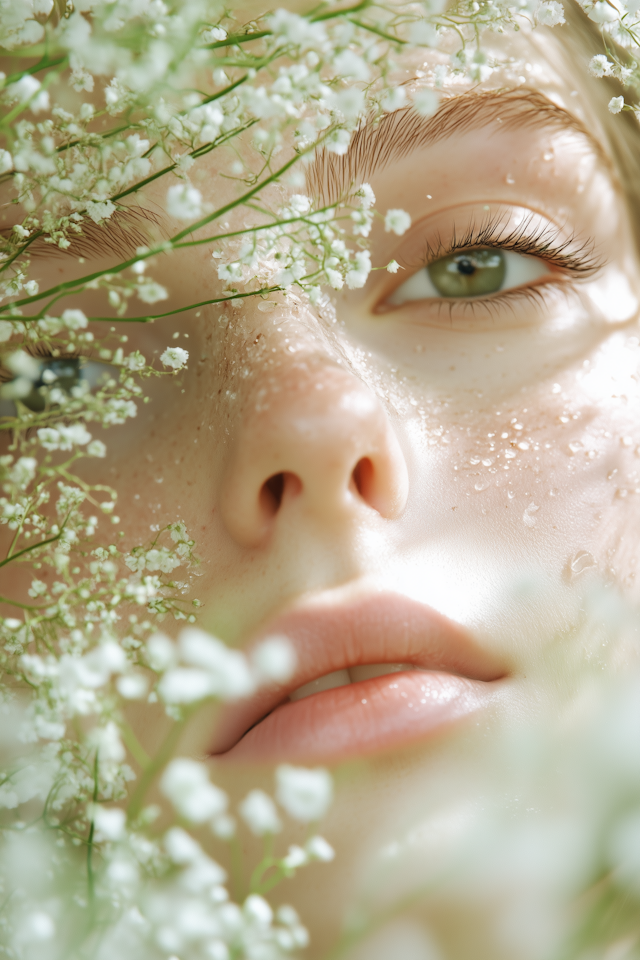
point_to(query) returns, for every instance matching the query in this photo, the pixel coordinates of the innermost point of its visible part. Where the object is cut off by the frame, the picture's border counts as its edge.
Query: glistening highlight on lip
(423, 672)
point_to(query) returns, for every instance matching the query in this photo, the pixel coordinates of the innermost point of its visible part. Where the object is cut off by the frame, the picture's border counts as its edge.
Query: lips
(437, 675)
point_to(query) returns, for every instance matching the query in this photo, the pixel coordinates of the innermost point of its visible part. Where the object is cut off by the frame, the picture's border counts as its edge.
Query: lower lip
(362, 718)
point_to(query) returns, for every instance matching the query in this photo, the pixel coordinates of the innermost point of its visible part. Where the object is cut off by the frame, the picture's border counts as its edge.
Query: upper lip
(383, 628)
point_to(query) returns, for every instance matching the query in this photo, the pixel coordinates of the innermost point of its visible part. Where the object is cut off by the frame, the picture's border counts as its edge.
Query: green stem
(33, 546)
(380, 33)
(42, 64)
(23, 606)
(237, 870)
(155, 766)
(19, 107)
(191, 306)
(134, 746)
(90, 877)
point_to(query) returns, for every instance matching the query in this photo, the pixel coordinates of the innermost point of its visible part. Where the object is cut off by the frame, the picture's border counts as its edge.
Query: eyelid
(497, 225)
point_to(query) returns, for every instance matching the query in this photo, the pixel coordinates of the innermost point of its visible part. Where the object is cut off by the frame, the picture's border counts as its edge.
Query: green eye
(56, 374)
(64, 373)
(469, 273)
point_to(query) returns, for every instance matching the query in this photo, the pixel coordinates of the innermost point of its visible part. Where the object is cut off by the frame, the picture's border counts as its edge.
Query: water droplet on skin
(582, 560)
(510, 494)
(509, 179)
(529, 520)
(523, 445)
(481, 485)
(575, 446)
(626, 441)
(548, 155)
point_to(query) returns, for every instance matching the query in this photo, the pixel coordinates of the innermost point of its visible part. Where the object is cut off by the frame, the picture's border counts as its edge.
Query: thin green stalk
(24, 606)
(134, 746)
(90, 877)
(42, 64)
(33, 546)
(192, 306)
(377, 31)
(237, 869)
(156, 765)
(19, 107)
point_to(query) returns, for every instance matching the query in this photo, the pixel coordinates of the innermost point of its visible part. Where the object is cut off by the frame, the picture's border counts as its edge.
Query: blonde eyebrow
(127, 229)
(375, 146)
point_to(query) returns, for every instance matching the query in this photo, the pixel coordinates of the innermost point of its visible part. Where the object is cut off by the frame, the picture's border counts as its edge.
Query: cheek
(543, 489)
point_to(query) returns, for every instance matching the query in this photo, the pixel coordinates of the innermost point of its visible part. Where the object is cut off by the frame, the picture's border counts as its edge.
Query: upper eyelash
(571, 254)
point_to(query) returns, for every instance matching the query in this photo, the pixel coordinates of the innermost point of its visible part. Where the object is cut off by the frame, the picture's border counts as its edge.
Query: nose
(320, 442)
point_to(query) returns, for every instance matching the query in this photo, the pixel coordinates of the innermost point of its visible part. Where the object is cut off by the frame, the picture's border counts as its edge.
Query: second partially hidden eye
(57, 377)
(471, 273)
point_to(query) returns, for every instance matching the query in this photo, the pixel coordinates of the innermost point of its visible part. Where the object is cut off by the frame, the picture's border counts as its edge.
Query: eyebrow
(330, 177)
(127, 229)
(396, 135)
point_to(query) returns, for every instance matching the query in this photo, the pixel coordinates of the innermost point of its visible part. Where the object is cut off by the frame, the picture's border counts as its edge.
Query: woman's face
(420, 477)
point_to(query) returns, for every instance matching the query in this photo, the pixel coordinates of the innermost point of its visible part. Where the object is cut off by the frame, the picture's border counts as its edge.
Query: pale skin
(434, 399)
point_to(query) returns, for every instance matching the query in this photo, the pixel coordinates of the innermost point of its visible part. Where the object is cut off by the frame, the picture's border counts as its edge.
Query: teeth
(340, 678)
(372, 670)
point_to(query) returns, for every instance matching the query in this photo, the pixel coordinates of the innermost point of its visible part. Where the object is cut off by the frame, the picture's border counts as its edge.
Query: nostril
(271, 493)
(273, 490)
(363, 479)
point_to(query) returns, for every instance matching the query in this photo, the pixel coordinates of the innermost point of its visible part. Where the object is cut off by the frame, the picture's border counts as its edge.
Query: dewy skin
(319, 468)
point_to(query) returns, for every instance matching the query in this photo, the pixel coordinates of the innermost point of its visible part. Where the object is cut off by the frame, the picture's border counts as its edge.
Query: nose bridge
(320, 439)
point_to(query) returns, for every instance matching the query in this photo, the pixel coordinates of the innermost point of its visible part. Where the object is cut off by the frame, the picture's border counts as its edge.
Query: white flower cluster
(200, 666)
(151, 897)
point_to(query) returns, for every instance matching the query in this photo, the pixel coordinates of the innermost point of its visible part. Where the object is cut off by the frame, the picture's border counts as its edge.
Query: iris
(468, 273)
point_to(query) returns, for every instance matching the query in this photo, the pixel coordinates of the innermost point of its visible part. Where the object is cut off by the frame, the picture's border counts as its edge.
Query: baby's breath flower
(600, 66)
(304, 794)
(97, 449)
(366, 196)
(425, 102)
(550, 13)
(184, 202)
(259, 813)
(151, 292)
(174, 357)
(186, 783)
(394, 100)
(63, 437)
(274, 659)
(616, 104)
(319, 849)
(397, 221)
(74, 319)
(109, 822)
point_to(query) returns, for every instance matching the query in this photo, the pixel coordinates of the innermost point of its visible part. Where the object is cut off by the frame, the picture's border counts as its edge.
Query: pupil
(466, 267)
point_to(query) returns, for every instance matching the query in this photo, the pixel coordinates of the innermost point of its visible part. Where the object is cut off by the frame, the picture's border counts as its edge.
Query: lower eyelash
(536, 294)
